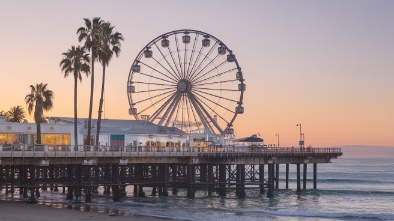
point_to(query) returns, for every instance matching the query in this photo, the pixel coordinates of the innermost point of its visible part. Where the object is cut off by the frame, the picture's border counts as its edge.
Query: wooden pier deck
(215, 170)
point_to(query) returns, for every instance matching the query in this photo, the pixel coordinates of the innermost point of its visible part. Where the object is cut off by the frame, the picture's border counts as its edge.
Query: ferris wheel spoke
(194, 114)
(177, 113)
(192, 54)
(172, 75)
(149, 83)
(214, 76)
(161, 108)
(173, 60)
(184, 61)
(188, 113)
(183, 112)
(207, 114)
(194, 69)
(200, 114)
(196, 79)
(217, 89)
(161, 89)
(179, 54)
(216, 96)
(148, 75)
(215, 111)
(174, 107)
(153, 104)
(206, 66)
(195, 62)
(174, 80)
(165, 58)
(216, 82)
(213, 102)
(203, 61)
(149, 98)
(171, 106)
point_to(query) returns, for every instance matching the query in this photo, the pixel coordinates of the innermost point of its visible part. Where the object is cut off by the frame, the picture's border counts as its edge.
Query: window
(117, 139)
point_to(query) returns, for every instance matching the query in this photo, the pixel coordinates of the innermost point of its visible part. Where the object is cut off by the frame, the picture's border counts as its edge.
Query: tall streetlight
(301, 140)
(278, 138)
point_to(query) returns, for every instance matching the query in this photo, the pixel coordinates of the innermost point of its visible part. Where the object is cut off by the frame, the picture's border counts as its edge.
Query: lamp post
(301, 140)
(277, 134)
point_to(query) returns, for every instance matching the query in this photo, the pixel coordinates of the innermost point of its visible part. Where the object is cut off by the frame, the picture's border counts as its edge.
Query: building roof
(121, 126)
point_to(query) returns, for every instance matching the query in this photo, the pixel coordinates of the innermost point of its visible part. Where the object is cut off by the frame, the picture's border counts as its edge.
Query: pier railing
(64, 151)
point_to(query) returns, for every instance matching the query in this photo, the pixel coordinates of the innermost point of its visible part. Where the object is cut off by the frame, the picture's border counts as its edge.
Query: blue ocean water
(348, 189)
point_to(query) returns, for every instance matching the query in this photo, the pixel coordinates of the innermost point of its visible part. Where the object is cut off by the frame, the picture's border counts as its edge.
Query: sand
(22, 211)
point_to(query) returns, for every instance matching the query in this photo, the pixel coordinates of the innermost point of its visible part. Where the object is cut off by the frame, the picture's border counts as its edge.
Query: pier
(79, 171)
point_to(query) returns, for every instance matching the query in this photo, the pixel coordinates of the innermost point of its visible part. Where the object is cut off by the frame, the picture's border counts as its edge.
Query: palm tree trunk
(100, 107)
(91, 101)
(75, 112)
(38, 132)
(37, 118)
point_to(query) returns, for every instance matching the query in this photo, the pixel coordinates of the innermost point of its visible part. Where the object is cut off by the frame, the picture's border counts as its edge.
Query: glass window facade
(54, 139)
(15, 138)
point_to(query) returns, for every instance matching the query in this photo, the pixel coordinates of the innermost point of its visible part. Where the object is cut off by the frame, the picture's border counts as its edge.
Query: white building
(60, 131)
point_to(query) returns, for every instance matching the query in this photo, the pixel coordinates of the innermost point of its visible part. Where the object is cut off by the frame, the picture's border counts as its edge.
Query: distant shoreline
(360, 151)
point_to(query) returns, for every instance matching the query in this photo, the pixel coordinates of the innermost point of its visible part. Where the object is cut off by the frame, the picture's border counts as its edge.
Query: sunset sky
(328, 65)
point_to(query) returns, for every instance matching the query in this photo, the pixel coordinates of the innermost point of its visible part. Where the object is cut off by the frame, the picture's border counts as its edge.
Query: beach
(22, 211)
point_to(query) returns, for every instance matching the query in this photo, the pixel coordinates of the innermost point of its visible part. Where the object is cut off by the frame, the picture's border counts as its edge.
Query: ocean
(347, 189)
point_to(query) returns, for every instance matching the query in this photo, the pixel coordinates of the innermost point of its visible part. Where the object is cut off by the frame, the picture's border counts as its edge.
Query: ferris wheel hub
(184, 86)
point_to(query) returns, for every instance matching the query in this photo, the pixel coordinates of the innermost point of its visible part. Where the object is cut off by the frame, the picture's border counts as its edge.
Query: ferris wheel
(187, 79)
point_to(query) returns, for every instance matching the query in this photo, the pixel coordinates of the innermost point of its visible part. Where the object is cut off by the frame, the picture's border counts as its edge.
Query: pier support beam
(1, 178)
(174, 171)
(261, 178)
(32, 199)
(298, 179)
(12, 191)
(277, 177)
(154, 178)
(7, 178)
(270, 192)
(211, 184)
(140, 175)
(304, 176)
(240, 179)
(57, 177)
(115, 181)
(78, 188)
(88, 187)
(287, 176)
(44, 185)
(135, 190)
(165, 179)
(69, 180)
(190, 179)
(314, 175)
(222, 180)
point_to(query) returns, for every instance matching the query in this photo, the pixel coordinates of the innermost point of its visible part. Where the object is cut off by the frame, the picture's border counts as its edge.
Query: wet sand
(22, 211)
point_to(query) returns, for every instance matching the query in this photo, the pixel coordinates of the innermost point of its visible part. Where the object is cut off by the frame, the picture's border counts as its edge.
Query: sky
(327, 65)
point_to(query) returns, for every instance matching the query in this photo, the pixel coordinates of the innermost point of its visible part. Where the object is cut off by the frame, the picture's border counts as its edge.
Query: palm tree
(75, 61)
(16, 114)
(91, 35)
(109, 45)
(40, 99)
